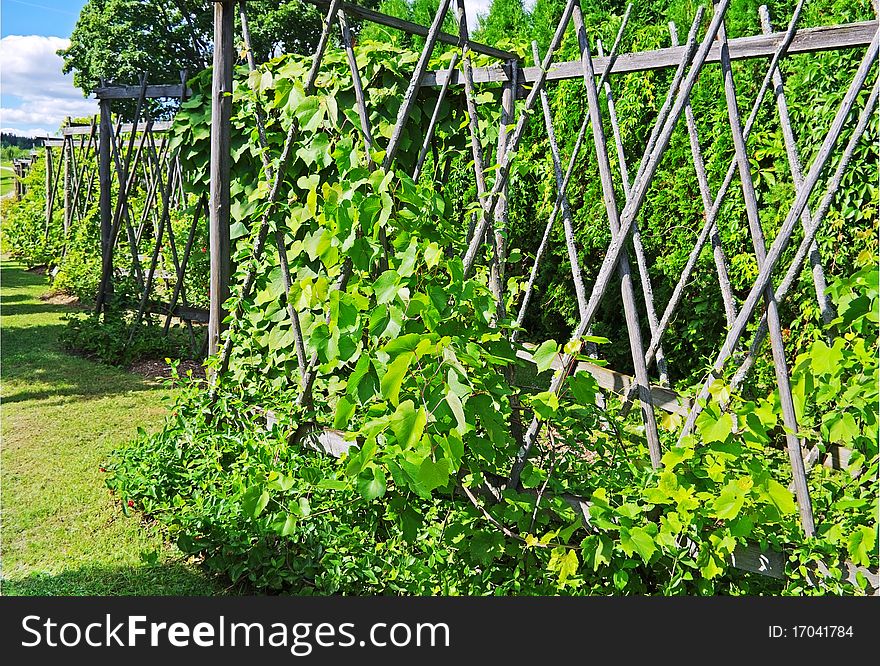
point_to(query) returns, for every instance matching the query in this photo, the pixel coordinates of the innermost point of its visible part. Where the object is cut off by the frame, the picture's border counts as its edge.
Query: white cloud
(30, 74)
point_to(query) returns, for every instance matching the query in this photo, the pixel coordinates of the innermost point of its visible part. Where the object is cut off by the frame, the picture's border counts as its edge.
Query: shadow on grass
(33, 355)
(147, 580)
(29, 307)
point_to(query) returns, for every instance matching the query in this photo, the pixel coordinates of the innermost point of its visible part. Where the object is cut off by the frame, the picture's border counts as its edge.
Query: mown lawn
(62, 532)
(7, 178)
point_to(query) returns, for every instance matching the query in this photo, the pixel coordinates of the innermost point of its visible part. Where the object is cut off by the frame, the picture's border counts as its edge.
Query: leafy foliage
(415, 369)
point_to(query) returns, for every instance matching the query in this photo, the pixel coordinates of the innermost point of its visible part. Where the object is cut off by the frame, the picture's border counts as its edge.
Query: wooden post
(783, 237)
(783, 381)
(826, 307)
(66, 150)
(49, 186)
(106, 136)
(221, 113)
(626, 286)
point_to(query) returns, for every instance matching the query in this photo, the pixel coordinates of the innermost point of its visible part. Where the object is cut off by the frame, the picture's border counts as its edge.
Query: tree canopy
(117, 40)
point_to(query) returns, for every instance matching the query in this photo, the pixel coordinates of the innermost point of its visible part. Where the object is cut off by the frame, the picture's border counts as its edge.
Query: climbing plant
(406, 365)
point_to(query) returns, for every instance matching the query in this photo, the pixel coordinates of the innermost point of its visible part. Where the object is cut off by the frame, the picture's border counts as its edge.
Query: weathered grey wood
(125, 177)
(164, 221)
(638, 248)
(180, 284)
(650, 163)
(50, 190)
(826, 307)
(432, 125)
(618, 382)
(221, 113)
(783, 382)
(560, 197)
(125, 128)
(360, 100)
(678, 291)
(182, 312)
(630, 309)
(822, 38)
(105, 184)
(414, 28)
(52, 142)
(507, 116)
(409, 97)
(495, 285)
(797, 263)
(170, 90)
(783, 236)
(503, 171)
(568, 227)
(66, 149)
(718, 255)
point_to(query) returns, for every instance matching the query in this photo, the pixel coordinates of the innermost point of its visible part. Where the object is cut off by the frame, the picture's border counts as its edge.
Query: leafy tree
(506, 19)
(397, 8)
(111, 40)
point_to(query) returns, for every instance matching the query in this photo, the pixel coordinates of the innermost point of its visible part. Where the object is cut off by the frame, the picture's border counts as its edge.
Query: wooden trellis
(102, 164)
(519, 81)
(138, 155)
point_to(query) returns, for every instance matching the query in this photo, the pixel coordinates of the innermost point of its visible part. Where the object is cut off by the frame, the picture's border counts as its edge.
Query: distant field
(6, 178)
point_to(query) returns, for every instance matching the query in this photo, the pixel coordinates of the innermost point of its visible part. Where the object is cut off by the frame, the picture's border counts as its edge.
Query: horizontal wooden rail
(413, 28)
(183, 312)
(619, 383)
(134, 92)
(158, 126)
(809, 40)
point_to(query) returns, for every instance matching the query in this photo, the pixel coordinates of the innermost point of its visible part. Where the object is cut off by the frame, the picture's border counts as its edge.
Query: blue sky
(34, 95)
(41, 17)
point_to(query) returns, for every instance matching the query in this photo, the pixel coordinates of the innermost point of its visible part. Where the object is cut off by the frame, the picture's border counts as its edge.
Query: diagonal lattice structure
(488, 229)
(102, 164)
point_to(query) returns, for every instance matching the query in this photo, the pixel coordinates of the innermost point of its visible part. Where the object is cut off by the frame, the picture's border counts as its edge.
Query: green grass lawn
(7, 178)
(62, 532)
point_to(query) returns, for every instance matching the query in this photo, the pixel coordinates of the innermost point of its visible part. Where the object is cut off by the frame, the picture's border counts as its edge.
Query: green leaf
(637, 540)
(545, 404)
(237, 230)
(289, 525)
(568, 565)
(583, 388)
(728, 504)
(717, 431)
(254, 501)
(433, 254)
(780, 497)
(842, 427)
(433, 474)
(544, 355)
(371, 483)
(861, 544)
(408, 424)
(344, 410)
(457, 408)
(385, 287)
(825, 359)
(390, 384)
